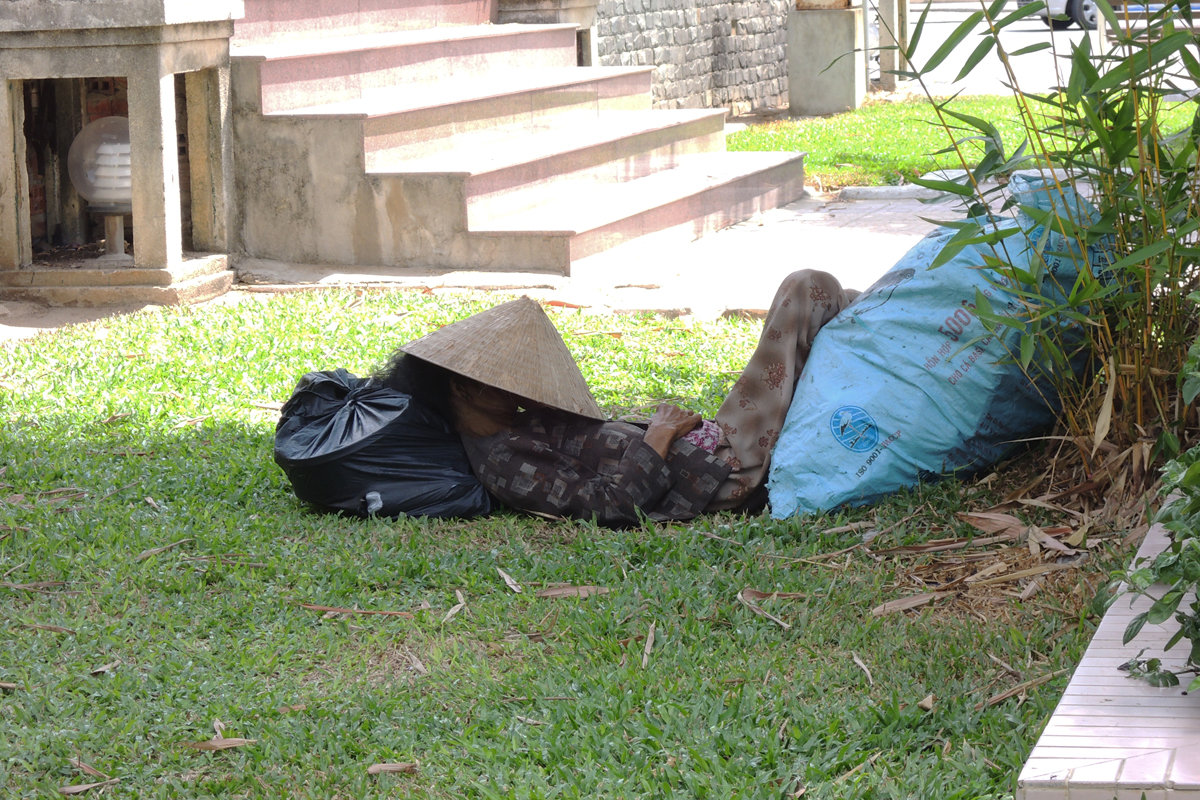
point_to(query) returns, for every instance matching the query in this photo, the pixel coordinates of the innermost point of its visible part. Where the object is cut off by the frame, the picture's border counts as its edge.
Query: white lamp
(99, 163)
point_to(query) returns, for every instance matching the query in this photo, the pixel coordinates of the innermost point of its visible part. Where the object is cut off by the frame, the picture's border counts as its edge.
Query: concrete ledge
(1113, 737)
(40, 15)
(191, 267)
(200, 277)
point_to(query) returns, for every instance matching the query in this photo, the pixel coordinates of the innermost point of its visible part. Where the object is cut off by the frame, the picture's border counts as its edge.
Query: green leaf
(1032, 48)
(1162, 679)
(1027, 346)
(1164, 607)
(952, 41)
(915, 35)
(1191, 387)
(1134, 628)
(1110, 16)
(1021, 13)
(1142, 254)
(981, 50)
(952, 187)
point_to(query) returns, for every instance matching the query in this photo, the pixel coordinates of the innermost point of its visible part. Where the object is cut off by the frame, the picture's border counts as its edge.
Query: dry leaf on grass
(863, 667)
(219, 743)
(755, 594)
(51, 628)
(926, 703)
(649, 645)
(1044, 539)
(453, 612)
(80, 788)
(907, 603)
(5, 686)
(87, 769)
(530, 720)
(509, 581)
(1018, 689)
(762, 612)
(1027, 573)
(992, 522)
(568, 590)
(103, 668)
(417, 665)
(153, 551)
(404, 767)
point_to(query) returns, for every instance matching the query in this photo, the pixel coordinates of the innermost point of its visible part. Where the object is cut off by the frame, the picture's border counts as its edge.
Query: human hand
(679, 420)
(667, 424)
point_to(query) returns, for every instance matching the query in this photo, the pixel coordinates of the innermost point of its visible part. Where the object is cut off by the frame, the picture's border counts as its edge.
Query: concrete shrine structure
(56, 44)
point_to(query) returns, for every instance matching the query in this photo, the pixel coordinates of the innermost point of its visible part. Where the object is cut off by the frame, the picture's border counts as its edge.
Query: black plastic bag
(357, 446)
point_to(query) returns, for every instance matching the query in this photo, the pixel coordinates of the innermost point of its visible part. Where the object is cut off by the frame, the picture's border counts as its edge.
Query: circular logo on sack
(854, 429)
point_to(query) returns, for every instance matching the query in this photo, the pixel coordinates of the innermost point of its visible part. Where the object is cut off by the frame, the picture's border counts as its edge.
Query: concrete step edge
(505, 147)
(626, 199)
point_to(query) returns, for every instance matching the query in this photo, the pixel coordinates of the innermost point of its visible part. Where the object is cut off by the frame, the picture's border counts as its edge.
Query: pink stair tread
(495, 148)
(422, 95)
(585, 204)
(380, 40)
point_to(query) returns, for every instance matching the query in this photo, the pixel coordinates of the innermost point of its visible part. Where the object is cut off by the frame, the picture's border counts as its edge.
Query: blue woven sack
(905, 384)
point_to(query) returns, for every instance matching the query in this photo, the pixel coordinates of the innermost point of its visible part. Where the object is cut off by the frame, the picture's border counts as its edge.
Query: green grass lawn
(154, 571)
(888, 142)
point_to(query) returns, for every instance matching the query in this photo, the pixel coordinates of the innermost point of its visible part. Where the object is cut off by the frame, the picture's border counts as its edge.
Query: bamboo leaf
(981, 50)
(1110, 16)
(1027, 347)
(915, 35)
(1142, 254)
(952, 41)
(1104, 418)
(952, 187)
(1021, 13)
(1032, 48)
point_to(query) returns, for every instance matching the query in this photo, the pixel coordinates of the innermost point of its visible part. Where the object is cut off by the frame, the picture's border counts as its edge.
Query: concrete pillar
(826, 73)
(210, 156)
(157, 240)
(71, 212)
(893, 34)
(15, 243)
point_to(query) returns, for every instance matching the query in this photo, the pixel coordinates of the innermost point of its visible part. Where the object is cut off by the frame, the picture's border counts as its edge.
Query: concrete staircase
(416, 135)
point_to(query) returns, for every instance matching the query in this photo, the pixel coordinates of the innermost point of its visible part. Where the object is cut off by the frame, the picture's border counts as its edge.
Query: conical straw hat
(514, 347)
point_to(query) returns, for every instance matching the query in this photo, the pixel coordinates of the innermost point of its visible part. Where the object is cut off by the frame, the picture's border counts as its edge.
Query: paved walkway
(856, 235)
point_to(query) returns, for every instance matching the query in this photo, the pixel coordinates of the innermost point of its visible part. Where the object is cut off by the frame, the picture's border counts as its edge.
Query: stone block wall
(705, 53)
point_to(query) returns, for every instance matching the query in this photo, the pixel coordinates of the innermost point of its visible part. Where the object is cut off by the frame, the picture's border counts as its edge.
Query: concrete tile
(1147, 770)
(1184, 776)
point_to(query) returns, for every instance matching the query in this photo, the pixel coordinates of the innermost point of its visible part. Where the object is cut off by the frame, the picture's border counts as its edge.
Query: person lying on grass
(538, 442)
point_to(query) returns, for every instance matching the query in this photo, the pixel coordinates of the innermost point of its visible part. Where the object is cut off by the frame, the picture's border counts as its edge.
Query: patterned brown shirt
(568, 466)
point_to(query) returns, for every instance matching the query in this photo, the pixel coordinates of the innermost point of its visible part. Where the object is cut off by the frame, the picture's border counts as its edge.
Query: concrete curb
(908, 191)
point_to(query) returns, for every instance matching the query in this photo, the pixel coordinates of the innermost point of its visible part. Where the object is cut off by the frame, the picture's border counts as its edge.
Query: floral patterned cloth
(752, 415)
(707, 436)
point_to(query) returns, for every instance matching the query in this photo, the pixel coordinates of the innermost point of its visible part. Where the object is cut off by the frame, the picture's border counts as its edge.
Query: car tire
(1058, 24)
(1084, 13)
